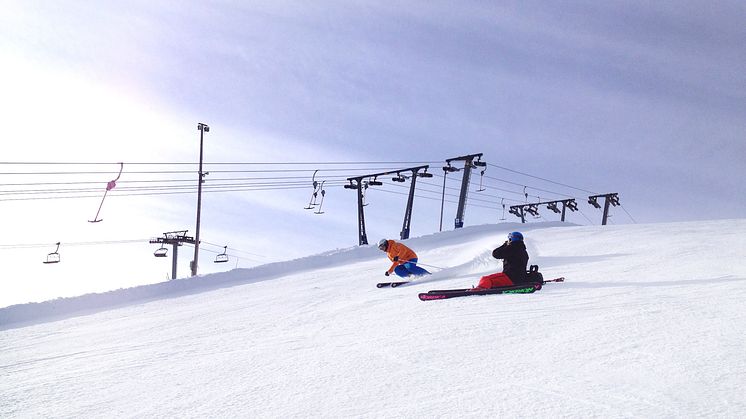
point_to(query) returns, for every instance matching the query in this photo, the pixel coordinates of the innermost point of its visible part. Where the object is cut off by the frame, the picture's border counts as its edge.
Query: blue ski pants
(410, 268)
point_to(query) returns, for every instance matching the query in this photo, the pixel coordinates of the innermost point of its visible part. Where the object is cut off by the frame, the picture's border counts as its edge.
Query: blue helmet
(515, 237)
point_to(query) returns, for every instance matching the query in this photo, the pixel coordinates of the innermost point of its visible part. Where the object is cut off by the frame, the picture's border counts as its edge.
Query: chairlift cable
(231, 248)
(628, 214)
(70, 244)
(541, 178)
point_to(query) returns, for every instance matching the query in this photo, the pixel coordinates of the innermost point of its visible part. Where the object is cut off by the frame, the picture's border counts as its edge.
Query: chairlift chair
(161, 252)
(312, 201)
(321, 204)
(222, 257)
(481, 188)
(53, 257)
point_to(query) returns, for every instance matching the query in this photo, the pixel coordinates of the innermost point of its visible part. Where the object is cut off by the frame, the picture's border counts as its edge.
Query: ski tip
(390, 284)
(427, 296)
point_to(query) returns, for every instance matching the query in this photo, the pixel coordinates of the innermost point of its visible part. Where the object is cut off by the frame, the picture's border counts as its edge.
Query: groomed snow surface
(649, 323)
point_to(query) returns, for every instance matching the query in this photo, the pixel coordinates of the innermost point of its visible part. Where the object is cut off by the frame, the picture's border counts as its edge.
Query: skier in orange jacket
(404, 259)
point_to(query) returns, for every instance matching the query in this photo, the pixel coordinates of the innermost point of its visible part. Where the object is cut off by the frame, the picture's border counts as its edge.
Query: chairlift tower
(410, 200)
(609, 199)
(521, 210)
(533, 208)
(357, 183)
(518, 211)
(469, 164)
(176, 239)
(566, 204)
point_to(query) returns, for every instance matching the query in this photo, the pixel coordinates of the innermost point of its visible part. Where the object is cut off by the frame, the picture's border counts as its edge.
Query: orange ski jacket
(400, 252)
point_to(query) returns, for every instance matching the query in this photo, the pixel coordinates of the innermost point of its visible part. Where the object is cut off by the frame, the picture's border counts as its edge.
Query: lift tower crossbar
(609, 199)
(533, 208)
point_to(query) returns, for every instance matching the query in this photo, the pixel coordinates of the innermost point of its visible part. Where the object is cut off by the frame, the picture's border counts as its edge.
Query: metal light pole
(203, 128)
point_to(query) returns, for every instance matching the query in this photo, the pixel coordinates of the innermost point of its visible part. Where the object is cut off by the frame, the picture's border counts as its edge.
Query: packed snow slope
(650, 323)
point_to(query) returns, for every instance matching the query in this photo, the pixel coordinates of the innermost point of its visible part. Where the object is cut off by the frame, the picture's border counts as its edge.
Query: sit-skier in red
(515, 259)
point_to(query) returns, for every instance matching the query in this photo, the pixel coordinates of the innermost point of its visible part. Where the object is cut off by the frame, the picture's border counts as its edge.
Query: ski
(560, 279)
(390, 284)
(516, 289)
(449, 290)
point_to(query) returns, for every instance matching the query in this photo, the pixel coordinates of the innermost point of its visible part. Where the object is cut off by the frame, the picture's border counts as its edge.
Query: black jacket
(515, 260)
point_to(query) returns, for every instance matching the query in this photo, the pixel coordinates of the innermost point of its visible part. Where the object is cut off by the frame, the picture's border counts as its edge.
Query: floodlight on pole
(203, 128)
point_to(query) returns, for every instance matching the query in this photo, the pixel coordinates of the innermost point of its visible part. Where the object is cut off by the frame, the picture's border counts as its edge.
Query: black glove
(387, 273)
(396, 258)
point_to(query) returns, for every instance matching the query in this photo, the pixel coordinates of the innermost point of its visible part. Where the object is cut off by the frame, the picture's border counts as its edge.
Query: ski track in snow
(650, 323)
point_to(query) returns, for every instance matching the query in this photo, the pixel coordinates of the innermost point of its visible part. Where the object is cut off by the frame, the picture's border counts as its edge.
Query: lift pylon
(176, 239)
(609, 199)
(358, 184)
(533, 208)
(469, 164)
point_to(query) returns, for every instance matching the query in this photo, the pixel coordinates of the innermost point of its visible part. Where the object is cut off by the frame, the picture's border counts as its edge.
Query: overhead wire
(232, 249)
(540, 178)
(225, 163)
(246, 183)
(345, 169)
(334, 177)
(628, 214)
(70, 244)
(117, 242)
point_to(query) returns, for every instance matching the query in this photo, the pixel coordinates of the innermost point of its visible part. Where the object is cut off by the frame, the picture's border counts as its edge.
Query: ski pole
(429, 266)
(402, 262)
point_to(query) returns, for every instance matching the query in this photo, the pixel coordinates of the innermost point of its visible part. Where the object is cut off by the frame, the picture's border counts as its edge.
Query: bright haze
(563, 100)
